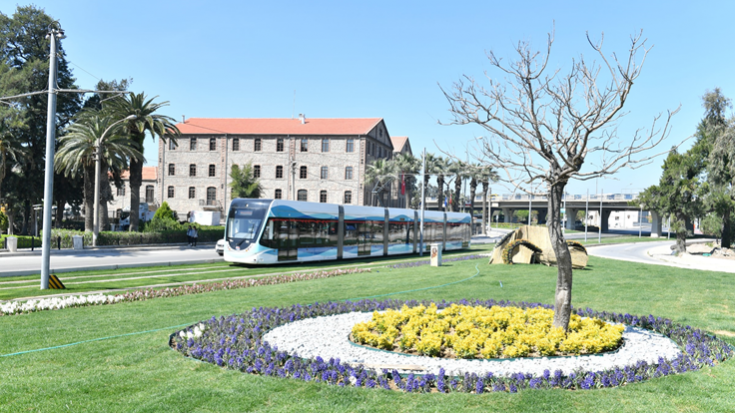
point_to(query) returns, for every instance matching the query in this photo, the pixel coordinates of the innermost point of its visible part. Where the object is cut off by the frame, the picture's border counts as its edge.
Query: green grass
(140, 372)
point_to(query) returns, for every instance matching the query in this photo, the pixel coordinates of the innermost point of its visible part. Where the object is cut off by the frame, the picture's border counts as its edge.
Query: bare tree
(543, 125)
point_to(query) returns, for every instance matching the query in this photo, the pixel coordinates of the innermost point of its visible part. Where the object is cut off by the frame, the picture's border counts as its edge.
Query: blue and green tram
(271, 231)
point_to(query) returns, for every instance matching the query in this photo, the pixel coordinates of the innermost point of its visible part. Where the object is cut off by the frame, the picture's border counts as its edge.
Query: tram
(272, 231)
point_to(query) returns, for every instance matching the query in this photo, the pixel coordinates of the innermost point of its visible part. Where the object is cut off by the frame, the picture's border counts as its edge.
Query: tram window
(243, 225)
(400, 232)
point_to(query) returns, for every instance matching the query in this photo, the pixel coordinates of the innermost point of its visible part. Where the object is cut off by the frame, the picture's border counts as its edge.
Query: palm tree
(244, 184)
(430, 168)
(11, 151)
(146, 120)
(76, 155)
(381, 173)
(485, 175)
(407, 167)
(459, 170)
(441, 166)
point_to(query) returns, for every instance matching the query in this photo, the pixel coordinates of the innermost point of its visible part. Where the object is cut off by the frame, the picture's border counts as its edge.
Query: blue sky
(387, 58)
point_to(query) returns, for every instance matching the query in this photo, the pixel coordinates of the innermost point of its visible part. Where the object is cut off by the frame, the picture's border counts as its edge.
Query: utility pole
(48, 185)
(599, 229)
(423, 200)
(586, 213)
(529, 209)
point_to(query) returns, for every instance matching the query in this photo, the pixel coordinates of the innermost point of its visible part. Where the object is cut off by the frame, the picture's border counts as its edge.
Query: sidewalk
(70, 251)
(691, 261)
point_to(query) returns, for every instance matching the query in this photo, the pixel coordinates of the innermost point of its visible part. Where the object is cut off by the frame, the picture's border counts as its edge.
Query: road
(636, 252)
(107, 258)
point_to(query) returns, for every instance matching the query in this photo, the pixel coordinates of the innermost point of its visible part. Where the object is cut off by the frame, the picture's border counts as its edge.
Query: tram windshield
(243, 225)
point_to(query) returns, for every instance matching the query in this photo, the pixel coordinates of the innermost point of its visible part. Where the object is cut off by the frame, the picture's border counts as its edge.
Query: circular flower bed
(461, 331)
(236, 342)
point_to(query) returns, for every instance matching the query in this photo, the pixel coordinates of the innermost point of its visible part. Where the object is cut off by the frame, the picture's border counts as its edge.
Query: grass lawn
(140, 373)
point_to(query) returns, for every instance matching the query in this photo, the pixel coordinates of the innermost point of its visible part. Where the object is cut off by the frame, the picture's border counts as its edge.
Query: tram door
(364, 238)
(288, 239)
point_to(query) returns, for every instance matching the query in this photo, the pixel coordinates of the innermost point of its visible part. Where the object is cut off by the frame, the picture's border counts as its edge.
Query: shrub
(164, 212)
(158, 224)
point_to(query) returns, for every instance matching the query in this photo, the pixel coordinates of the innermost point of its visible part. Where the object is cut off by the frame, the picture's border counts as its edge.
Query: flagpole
(423, 200)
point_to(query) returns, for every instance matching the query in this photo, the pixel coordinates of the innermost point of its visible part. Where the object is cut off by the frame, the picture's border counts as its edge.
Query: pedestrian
(194, 235)
(189, 237)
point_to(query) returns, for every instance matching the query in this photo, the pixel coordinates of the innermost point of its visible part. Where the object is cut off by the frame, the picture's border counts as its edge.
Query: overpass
(594, 203)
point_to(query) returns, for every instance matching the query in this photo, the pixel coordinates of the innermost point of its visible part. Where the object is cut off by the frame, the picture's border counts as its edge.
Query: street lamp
(97, 172)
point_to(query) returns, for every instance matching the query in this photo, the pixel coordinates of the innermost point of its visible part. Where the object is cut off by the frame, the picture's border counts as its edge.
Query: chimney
(183, 118)
(302, 118)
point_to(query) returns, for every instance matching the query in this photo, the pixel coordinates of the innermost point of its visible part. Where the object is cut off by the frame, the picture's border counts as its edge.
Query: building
(148, 191)
(316, 160)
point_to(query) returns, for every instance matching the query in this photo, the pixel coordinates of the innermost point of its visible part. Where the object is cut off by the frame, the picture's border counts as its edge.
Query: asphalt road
(637, 252)
(68, 260)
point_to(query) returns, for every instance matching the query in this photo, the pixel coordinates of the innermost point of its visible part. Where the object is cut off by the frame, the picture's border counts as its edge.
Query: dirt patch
(724, 333)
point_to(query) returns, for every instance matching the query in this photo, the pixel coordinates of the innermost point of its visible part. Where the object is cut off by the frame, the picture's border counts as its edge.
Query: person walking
(194, 235)
(189, 237)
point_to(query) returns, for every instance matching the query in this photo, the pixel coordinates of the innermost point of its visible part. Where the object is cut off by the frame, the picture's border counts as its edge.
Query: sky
(390, 59)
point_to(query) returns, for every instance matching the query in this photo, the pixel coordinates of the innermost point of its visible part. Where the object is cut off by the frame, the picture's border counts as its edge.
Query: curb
(70, 251)
(111, 267)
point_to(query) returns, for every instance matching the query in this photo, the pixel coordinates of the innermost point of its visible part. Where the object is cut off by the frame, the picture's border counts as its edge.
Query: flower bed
(479, 332)
(236, 342)
(420, 263)
(57, 303)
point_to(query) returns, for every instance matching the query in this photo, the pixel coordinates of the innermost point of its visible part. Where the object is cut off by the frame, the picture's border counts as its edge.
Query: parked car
(220, 247)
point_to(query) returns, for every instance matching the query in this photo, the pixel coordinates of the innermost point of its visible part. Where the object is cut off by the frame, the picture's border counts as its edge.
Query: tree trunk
(136, 179)
(60, 202)
(563, 296)
(457, 192)
(440, 194)
(681, 234)
(26, 217)
(726, 235)
(484, 208)
(11, 220)
(89, 198)
(425, 190)
(105, 198)
(473, 189)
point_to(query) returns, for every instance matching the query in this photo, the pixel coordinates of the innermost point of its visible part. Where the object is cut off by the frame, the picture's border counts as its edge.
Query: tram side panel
(363, 231)
(401, 233)
(457, 231)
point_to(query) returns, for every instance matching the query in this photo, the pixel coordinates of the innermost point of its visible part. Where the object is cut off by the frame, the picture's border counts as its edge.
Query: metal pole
(586, 213)
(529, 209)
(48, 186)
(97, 167)
(668, 228)
(489, 210)
(566, 216)
(599, 229)
(423, 200)
(640, 222)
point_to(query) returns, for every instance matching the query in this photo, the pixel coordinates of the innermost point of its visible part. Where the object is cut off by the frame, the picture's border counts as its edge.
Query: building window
(323, 197)
(303, 172)
(279, 145)
(348, 197)
(171, 169)
(301, 195)
(325, 145)
(256, 145)
(170, 191)
(193, 144)
(256, 171)
(192, 192)
(121, 190)
(149, 194)
(212, 144)
(192, 170)
(325, 172)
(304, 145)
(279, 172)
(211, 170)
(211, 196)
(172, 145)
(235, 144)
(348, 172)
(350, 145)
(278, 194)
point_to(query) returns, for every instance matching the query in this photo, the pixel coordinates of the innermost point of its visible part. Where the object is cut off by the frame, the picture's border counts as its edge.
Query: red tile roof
(398, 142)
(150, 173)
(278, 126)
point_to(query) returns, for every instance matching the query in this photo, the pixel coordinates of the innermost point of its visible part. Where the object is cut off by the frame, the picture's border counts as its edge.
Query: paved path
(659, 253)
(28, 263)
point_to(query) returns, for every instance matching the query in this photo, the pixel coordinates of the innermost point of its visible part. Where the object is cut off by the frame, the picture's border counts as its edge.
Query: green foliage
(522, 215)
(164, 212)
(712, 225)
(158, 224)
(3, 222)
(243, 183)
